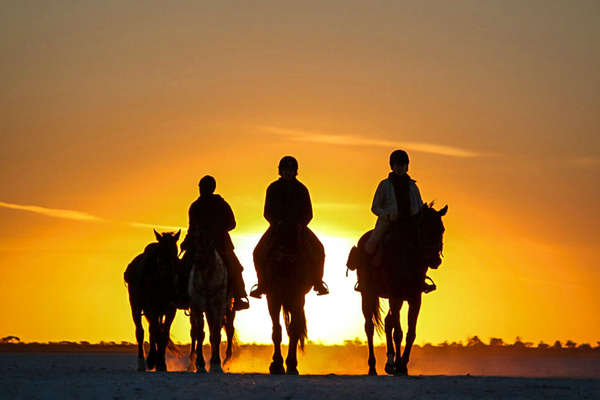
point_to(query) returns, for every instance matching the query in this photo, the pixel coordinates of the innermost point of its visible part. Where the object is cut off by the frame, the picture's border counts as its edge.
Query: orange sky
(116, 111)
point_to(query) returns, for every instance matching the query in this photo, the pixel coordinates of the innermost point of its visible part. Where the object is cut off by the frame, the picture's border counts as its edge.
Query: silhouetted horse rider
(211, 213)
(289, 210)
(397, 202)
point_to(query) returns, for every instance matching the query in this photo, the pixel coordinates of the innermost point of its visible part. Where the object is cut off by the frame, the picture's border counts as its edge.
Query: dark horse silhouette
(151, 281)
(210, 294)
(288, 284)
(400, 278)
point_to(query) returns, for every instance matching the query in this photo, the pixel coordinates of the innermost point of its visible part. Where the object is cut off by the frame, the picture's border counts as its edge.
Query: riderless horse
(151, 282)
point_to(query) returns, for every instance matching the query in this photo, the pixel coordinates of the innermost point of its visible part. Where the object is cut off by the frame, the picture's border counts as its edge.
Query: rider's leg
(259, 289)
(316, 249)
(234, 269)
(260, 255)
(380, 228)
(183, 277)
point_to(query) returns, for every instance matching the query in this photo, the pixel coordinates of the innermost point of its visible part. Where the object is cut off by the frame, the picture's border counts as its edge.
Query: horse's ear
(443, 211)
(158, 236)
(177, 235)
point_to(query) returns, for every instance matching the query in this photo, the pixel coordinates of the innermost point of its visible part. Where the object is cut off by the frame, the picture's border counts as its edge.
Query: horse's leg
(296, 333)
(161, 364)
(230, 331)
(154, 328)
(368, 302)
(396, 306)
(136, 313)
(193, 335)
(393, 335)
(198, 317)
(276, 367)
(215, 322)
(414, 306)
(164, 339)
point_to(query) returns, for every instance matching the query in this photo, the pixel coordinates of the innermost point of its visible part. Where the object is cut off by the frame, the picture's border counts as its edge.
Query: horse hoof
(200, 369)
(150, 362)
(216, 369)
(161, 368)
(402, 370)
(141, 365)
(390, 368)
(292, 371)
(372, 372)
(276, 369)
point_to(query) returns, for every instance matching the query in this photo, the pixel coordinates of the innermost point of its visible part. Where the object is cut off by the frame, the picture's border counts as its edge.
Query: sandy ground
(112, 376)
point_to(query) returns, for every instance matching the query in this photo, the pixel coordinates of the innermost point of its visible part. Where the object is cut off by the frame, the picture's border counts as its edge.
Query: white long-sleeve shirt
(384, 201)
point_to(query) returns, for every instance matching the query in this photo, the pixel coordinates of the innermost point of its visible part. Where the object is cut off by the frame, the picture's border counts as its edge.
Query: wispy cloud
(81, 216)
(54, 212)
(587, 162)
(348, 140)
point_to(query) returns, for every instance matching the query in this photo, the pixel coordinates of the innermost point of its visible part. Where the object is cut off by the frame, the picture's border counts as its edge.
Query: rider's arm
(269, 212)
(229, 218)
(379, 201)
(306, 208)
(192, 217)
(416, 203)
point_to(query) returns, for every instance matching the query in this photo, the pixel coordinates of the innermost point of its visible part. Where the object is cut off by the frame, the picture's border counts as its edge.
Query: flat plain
(112, 376)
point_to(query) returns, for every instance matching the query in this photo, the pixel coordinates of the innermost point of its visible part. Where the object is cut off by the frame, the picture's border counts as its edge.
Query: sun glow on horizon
(254, 325)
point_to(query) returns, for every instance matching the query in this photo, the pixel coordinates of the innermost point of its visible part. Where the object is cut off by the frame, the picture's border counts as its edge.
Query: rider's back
(288, 201)
(213, 214)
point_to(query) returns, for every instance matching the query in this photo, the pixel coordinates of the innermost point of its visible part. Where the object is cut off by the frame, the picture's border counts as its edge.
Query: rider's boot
(257, 291)
(240, 299)
(321, 288)
(240, 303)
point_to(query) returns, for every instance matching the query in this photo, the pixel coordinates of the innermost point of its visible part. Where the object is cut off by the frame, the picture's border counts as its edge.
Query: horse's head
(431, 233)
(167, 249)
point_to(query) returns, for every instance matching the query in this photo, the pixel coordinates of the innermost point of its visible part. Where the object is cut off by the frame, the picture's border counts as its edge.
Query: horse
(209, 294)
(400, 279)
(289, 282)
(151, 282)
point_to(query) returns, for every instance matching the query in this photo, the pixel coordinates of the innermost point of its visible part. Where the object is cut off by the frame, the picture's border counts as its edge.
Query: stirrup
(357, 287)
(428, 288)
(240, 304)
(323, 289)
(257, 291)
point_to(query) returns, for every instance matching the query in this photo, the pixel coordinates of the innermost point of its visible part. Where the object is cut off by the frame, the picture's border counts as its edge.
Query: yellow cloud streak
(347, 140)
(53, 212)
(80, 216)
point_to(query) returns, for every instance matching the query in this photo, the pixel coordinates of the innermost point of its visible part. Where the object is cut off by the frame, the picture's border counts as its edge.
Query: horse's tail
(373, 313)
(299, 325)
(377, 321)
